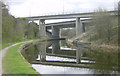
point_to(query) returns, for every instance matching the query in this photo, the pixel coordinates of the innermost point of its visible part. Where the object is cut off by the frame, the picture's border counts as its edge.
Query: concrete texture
(56, 32)
(42, 28)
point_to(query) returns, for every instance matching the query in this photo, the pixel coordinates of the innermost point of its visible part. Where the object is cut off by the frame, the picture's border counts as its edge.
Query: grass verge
(14, 63)
(8, 44)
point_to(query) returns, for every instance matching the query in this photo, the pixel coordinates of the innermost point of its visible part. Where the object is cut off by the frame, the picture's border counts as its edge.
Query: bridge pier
(83, 27)
(55, 32)
(42, 28)
(79, 27)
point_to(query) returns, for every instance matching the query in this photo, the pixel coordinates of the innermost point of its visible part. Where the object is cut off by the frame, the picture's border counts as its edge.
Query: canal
(57, 57)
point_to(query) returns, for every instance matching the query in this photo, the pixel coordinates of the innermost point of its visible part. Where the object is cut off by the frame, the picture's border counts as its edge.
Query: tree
(69, 33)
(14, 29)
(32, 30)
(104, 24)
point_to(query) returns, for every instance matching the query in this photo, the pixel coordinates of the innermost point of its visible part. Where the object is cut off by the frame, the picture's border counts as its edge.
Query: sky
(26, 8)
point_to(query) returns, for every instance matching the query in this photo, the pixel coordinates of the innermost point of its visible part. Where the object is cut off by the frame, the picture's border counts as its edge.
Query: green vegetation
(14, 29)
(68, 33)
(14, 63)
(8, 44)
(32, 31)
(0, 26)
(31, 54)
(102, 30)
(105, 28)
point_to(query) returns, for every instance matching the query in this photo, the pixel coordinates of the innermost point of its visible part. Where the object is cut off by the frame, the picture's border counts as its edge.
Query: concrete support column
(79, 27)
(83, 27)
(42, 28)
(55, 32)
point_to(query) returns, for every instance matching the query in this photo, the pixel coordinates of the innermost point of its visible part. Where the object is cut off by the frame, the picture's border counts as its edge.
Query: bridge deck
(68, 16)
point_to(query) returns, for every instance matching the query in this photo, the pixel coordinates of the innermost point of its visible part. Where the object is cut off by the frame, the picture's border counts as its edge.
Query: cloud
(22, 8)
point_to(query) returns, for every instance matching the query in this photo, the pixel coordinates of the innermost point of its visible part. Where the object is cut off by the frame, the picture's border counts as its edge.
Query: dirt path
(2, 53)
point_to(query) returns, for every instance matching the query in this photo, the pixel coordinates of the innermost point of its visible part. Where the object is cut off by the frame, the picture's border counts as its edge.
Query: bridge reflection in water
(58, 53)
(55, 51)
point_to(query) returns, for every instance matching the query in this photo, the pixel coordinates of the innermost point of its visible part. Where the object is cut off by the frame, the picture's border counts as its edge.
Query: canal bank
(13, 62)
(2, 54)
(94, 45)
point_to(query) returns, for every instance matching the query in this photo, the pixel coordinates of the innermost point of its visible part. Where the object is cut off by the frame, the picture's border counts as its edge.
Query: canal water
(57, 57)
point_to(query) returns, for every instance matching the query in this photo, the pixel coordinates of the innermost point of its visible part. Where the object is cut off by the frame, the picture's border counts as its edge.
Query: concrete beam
(68, 24)
(68, 16)
(63, 16)
(62, 26)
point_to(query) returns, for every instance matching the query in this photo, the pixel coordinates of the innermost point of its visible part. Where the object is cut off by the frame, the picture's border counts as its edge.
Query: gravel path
(2, 53)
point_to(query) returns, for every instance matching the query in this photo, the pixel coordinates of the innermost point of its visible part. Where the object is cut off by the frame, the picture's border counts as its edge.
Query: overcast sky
(24, 8)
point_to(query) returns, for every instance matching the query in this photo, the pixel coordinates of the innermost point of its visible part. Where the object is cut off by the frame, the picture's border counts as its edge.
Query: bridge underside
(56, 33)
(55, 27)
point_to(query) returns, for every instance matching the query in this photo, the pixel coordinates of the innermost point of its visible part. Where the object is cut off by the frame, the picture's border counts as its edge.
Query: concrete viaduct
(78, 22)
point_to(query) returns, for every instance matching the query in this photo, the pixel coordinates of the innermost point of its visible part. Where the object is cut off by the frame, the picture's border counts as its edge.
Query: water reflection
(54, 54)
(42, 52)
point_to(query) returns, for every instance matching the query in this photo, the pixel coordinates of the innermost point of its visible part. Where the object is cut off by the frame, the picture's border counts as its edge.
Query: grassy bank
(14, 63)
(96, 43)
(8, 44)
